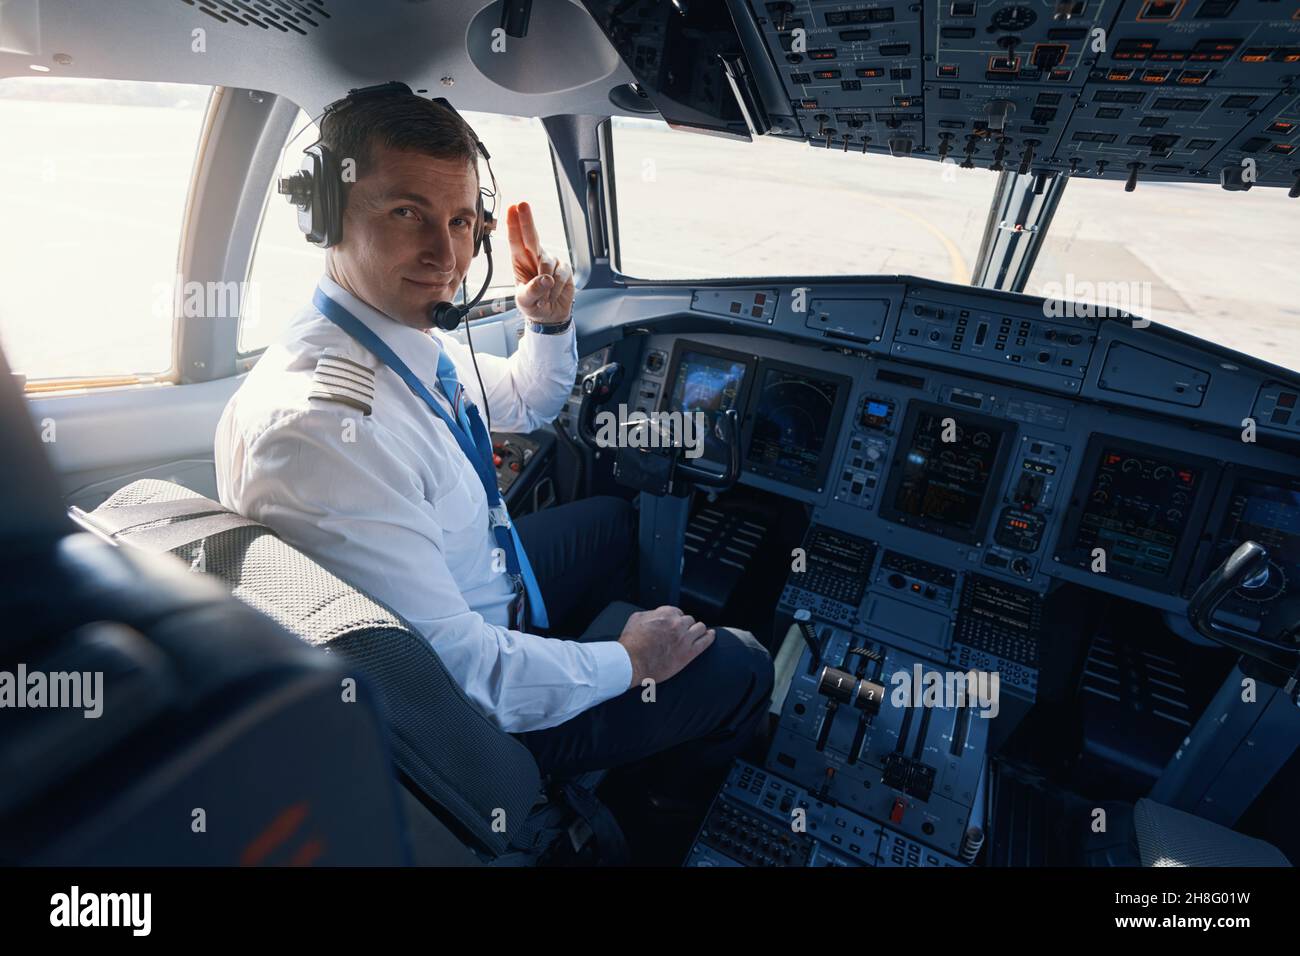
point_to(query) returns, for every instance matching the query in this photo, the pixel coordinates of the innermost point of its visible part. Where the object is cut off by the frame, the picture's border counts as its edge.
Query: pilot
(358, 439)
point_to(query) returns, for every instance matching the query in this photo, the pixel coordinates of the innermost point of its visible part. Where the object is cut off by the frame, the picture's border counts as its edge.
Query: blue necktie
(475, 444)
(467, 417)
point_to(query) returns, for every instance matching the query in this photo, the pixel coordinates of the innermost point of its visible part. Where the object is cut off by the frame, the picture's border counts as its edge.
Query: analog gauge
(1163, 473)
(1173, 515)
(1131, 465)
(982, 440)
(1014, 18)
(1101, 496)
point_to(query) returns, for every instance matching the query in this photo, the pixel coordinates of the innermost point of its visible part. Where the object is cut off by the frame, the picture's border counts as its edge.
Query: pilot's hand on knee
(663, 641)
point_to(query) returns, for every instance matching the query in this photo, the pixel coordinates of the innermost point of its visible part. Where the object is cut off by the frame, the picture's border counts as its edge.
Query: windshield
(1220, 265)
(703, 207)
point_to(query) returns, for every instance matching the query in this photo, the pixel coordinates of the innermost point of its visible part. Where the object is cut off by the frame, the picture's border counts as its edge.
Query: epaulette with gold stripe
(340, 379)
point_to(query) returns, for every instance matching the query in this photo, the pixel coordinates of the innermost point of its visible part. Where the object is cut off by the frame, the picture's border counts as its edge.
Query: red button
(496, 460)
(896, 814)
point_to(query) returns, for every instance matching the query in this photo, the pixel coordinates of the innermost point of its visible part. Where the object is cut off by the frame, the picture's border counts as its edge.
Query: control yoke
(1246, 568)
(651, 450)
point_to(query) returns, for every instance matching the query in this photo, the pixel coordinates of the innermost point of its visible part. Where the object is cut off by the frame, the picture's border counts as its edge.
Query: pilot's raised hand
(543, 284)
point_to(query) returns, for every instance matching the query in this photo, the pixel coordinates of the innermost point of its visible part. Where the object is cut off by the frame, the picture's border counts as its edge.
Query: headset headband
(398, 88)
(316, 192)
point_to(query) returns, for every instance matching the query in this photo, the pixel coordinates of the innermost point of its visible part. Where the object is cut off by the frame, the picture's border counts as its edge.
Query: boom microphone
(447, 315)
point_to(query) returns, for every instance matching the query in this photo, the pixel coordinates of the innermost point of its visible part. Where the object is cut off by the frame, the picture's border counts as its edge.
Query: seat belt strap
(169, 537)
(121, 519)
(608, 835)
(198, 518)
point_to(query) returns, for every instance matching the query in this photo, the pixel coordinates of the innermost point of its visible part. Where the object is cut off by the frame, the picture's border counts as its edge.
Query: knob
(1133, 176)
(900, 145)
(998, 111)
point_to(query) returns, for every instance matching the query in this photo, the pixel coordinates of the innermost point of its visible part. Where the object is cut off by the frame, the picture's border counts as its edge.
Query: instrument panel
(944, 472)
(1134, 510)
(1172, 90)
(951, 487)
(955, 459)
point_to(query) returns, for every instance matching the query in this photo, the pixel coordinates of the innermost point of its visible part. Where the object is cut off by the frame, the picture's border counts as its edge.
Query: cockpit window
(94, 177)
(285, 266)
(701, 207)
(1219, 265)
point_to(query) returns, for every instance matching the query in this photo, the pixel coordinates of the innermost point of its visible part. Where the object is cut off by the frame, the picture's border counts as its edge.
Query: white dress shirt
(388, 502)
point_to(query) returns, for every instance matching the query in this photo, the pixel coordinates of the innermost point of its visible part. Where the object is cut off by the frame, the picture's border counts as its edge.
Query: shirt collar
(417, 349)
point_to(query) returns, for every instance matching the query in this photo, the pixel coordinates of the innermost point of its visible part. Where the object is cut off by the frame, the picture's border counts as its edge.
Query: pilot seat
(465, 781)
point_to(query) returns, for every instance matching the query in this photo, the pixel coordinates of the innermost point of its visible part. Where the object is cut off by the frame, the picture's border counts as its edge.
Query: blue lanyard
(475, 445)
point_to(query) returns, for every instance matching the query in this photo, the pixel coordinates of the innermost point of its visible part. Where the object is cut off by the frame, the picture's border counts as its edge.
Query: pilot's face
(408, 233)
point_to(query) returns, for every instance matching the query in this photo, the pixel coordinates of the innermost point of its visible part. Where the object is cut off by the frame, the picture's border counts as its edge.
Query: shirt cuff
(613, 669)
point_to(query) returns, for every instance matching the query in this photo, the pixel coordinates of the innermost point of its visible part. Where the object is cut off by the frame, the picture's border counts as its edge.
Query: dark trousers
(582, 554)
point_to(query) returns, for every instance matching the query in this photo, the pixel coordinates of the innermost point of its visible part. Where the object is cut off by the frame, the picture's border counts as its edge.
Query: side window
(285, 266)
(96, 174)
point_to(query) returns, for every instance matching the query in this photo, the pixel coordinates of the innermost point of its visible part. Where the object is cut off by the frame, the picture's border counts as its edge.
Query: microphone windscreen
(445, 315)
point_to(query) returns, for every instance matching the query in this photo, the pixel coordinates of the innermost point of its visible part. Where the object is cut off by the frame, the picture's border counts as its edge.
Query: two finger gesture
(543, 284)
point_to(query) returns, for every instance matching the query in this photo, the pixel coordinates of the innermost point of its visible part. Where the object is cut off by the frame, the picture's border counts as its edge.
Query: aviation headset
(317, 191)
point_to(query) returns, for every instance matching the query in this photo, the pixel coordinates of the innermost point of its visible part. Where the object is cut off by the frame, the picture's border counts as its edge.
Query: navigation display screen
(711, 382)
(1137, 508)
(1131, 511)
(1265, 510)
(795, 424)
(947, 471)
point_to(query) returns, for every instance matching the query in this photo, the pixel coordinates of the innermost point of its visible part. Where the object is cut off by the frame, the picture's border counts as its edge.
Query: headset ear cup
(479, 224)
(330, 192)
(321, 220)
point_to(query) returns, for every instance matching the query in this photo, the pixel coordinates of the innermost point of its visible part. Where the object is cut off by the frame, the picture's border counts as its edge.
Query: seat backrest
(190, 729)
(480, 781)
(149, 718)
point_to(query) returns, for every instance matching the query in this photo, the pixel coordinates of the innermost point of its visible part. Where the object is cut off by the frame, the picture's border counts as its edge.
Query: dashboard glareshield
(794, 424)
(1136, 503)
(947, 487)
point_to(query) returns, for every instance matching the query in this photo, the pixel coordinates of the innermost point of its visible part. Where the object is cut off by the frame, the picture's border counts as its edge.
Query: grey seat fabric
(452, 755)
(1169, 837)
